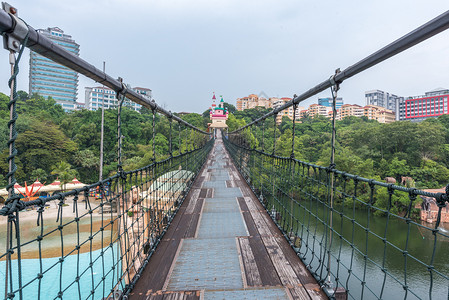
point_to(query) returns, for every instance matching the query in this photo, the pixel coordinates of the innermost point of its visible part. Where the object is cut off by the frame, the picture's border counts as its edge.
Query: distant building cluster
(379, 105)
(253, 101)
(50, 79)
(415, 108)
(323, 108)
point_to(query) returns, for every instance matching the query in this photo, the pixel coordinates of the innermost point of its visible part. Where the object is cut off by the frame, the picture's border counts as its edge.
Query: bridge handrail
(440, 197)
(414, 37)
(39, 43)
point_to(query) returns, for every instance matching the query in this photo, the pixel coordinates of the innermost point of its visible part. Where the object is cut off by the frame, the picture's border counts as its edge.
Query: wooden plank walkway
(223, 245)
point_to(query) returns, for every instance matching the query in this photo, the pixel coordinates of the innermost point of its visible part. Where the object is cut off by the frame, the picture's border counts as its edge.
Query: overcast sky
(185, 50)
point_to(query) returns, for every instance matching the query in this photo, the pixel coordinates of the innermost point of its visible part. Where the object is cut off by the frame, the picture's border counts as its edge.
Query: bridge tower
(218, 115)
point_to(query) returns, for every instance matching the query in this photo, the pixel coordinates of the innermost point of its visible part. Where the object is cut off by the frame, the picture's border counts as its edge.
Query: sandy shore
(51, 212)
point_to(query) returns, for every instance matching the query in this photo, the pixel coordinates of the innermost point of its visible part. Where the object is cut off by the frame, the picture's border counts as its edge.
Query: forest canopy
(49, 136)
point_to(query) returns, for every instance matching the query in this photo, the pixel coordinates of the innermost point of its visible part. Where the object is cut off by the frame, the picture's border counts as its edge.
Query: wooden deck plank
(272, 237)
(156, 297)
(193, 226)
(250, 225)
(203, 193)
(300, 270)
(198, 182)
(249, 263)
(267, 271)
(192, 203)
(298, 292)
(258, 218)
(314, 291)
(230, 183)
(210, 193)
(178, 295)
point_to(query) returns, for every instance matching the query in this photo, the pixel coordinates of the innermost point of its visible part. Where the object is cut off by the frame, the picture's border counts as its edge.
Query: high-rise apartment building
(400, 109)
(329, 100)
(431, 105)
(50, 79)
(381, 98)
(94, 97)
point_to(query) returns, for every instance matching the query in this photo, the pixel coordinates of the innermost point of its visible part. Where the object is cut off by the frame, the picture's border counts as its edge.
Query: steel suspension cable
(274, 134)
(120, 98)
(154, 134)
(170, 150)
(13, 202)
(292, 155)
(334, 90)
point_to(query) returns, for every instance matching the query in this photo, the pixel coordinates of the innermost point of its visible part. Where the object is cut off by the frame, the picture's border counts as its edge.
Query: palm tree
(64, 171)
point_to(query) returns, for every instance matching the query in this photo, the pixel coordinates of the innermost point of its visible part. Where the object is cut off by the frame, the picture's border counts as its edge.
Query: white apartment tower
(50, 79)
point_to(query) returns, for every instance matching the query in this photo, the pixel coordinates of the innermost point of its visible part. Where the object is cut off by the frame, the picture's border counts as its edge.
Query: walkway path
(223, 245)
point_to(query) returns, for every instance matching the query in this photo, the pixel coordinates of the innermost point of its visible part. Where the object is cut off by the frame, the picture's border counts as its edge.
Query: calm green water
(403, 268)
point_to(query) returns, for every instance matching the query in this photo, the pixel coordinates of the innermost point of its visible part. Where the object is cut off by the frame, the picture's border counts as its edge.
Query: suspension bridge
(226, 218)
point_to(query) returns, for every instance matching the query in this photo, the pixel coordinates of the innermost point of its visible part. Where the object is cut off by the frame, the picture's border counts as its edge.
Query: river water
(359, 255)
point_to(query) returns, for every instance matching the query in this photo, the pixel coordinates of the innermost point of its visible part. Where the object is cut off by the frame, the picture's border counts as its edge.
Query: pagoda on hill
(218, 114)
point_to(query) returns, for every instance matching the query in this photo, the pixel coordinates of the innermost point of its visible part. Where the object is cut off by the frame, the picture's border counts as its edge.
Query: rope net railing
(92, 247)
(357, 236)
(93, 241)
(350, 242)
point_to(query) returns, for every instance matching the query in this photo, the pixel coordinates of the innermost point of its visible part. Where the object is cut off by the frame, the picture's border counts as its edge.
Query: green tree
(44, 108)
(234, 123)
(430, 174)
(42, 146)
(64, 171)
(195, 119)
(39, 174)
(398, 168)
(161, 145)
(88, 137)
(4, 111)
(88, 165)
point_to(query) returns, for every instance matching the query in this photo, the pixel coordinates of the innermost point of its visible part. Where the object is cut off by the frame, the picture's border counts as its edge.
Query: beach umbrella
(36, 184)
(56, 182)
(54, 186)
(74, 184)
(75, 181)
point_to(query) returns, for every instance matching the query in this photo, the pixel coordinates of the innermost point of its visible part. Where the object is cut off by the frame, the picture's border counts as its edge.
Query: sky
(186, 50)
